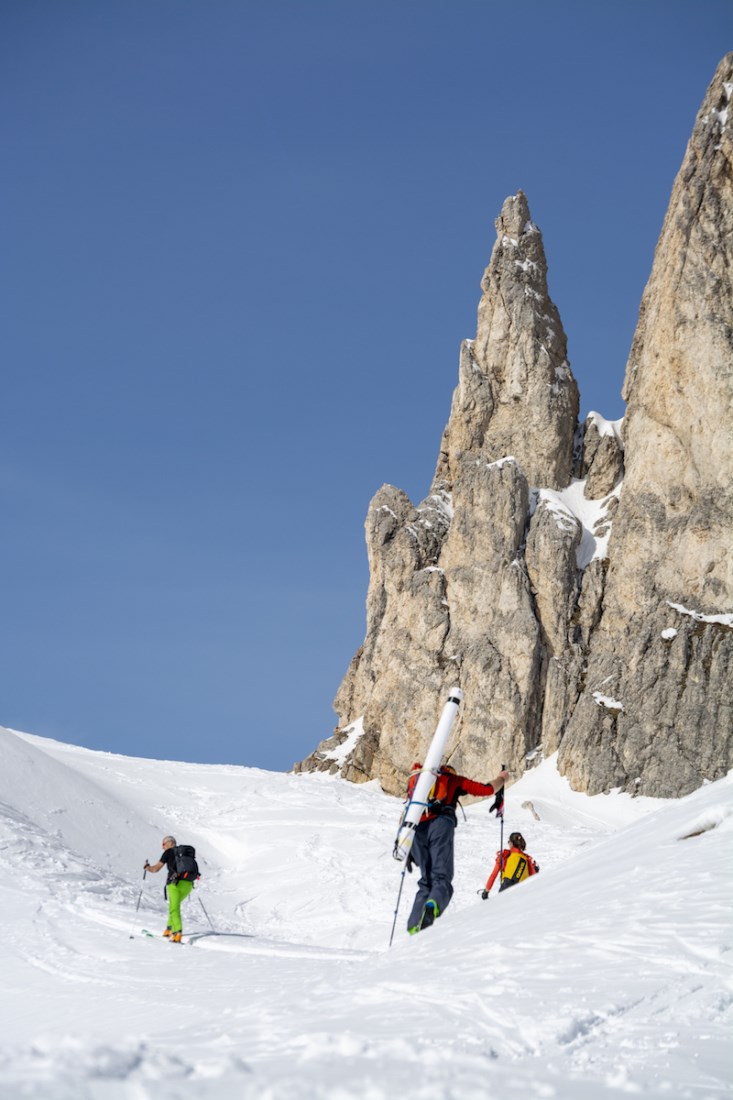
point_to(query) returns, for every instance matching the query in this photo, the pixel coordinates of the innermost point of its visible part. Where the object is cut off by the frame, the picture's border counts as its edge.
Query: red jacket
(448, 789)
(502, 857)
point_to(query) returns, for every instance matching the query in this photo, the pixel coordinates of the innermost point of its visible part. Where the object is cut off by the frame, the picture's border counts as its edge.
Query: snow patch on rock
(724, 619)
(570, 508)
(607, 701)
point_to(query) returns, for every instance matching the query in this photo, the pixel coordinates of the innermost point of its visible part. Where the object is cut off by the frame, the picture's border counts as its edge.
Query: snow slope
(607, 975)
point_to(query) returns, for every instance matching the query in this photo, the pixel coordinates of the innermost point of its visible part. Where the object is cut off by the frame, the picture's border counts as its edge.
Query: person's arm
(483, 790)
(154, 867)
(492, 877)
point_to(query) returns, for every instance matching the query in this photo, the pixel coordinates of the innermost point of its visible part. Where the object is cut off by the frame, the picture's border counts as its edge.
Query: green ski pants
(177, 892)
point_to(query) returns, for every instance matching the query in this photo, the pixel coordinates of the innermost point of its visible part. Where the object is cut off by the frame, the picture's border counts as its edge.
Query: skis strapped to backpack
(436, 795)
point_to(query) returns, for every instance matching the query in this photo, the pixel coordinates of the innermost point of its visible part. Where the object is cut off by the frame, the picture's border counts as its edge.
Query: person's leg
(177, 892)
(175, 897)
(441, 838)
(421, 858)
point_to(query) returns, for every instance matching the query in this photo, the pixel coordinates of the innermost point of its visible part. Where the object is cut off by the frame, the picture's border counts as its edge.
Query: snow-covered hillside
(607, 975)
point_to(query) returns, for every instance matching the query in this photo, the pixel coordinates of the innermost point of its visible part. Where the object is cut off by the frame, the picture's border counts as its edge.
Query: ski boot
(168, 932)
(176, 937)
(429, 913)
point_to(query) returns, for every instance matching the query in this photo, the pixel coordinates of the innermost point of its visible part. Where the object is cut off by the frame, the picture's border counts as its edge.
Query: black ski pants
(432, 851)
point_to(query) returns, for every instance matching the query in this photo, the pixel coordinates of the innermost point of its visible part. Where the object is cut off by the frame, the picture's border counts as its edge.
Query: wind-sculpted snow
(606, 975)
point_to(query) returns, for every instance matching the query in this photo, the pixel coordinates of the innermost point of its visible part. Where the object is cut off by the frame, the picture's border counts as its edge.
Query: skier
(513, 863)
(176, 889)
(432, 848)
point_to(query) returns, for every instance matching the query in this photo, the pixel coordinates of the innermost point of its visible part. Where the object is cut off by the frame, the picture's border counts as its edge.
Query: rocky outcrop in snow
(615, 646)
(602, 455)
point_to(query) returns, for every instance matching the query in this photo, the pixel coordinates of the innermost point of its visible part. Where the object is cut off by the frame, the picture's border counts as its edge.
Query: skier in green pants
(177, 890)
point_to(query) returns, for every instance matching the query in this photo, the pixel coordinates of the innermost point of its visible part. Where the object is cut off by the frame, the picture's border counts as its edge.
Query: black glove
(484, 894)
(498, 801)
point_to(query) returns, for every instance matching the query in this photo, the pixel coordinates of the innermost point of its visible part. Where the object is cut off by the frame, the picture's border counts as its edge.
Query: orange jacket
(502, 857)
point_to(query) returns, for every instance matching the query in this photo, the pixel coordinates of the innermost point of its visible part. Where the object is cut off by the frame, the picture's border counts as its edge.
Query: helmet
(517, 841)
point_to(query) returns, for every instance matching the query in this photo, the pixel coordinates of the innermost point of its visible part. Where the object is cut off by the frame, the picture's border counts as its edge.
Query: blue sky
(242, 243)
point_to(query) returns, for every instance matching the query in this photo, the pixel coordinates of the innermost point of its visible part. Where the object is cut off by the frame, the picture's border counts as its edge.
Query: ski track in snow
(607, 975)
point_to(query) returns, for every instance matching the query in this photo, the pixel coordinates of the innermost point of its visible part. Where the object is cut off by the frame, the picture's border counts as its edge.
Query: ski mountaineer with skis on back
(177, 887)
(432, 847)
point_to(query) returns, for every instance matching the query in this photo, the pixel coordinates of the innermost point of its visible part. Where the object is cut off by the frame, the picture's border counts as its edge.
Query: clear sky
(241, 243)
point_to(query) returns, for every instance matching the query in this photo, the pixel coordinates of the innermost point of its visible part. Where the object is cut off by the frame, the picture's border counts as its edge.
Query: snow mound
(607, 974)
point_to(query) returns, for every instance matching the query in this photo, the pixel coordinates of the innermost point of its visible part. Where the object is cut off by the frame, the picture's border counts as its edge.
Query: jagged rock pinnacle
(516, 393)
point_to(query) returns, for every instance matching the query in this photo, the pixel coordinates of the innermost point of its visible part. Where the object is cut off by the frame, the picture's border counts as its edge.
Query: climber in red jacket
(432, 848)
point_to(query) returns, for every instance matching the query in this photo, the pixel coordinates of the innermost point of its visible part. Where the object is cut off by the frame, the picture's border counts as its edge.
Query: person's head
(517, 841)
(169, 842)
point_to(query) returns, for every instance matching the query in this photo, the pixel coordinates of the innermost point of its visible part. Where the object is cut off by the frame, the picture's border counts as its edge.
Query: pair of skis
(157, 936)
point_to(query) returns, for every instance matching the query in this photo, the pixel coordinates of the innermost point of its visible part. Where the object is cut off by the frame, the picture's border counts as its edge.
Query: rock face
(617, 653)
(671, 672)
(602, 456)
(450, 596)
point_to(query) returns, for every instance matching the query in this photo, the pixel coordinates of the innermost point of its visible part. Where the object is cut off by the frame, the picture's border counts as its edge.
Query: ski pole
(207, 915)
(140, 898)
(501, 835)
(498, 807)
(397, 907)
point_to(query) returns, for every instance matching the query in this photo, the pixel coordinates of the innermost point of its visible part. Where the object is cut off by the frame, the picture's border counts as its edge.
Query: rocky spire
(500, 580)
(656, 714)
(516, 394)
(449, 597)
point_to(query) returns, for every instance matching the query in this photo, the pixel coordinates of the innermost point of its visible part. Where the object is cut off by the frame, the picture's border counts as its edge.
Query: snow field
(607, 975)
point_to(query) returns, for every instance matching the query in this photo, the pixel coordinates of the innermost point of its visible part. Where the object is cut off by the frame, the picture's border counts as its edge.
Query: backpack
(439, 789)
(185, 864)
(516, 868)
(438, 792)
